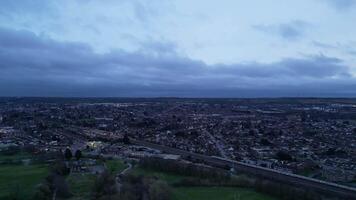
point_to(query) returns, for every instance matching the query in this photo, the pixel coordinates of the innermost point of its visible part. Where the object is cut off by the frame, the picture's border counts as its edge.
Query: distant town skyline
(178, 48)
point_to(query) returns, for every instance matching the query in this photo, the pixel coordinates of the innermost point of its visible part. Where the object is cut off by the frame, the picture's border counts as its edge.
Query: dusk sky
(178, 48)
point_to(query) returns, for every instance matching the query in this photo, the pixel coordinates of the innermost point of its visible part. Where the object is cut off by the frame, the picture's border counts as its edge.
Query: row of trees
(284, 191)
(105, 187)
(55, 184)
(131, 188)
(185, 169)
(68, 154)
(205, 176)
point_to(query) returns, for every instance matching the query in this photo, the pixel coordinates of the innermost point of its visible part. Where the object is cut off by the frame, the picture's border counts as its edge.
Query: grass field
(168, 177)
(20, 180)
(80, 185)
(15, 158)
(203, 193)
(217, 193)
(115, 166)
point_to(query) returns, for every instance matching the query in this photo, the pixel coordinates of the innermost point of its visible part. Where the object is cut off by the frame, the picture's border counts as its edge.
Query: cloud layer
(34, 65)
(289, 31)
(341, 4)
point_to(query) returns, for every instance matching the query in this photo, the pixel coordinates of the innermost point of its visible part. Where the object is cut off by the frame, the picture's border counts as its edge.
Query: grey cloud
(33, 8)
(33, 66)
(346, 48)
(313, 66)
(162, 47)
(289, 31)
(141, 11)
(340, 4)
(316, 66)
(323, 45)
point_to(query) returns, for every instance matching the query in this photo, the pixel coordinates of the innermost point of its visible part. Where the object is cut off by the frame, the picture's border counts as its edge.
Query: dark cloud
(38, 66)
(289, 31)
(312, 67)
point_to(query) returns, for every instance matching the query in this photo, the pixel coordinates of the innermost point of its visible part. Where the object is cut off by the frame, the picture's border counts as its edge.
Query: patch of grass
(16, 157)
(217, 193)
(203, 193)
(81, 185)
(21, 180)
(115, 166)
(307, 172)
(170, 178)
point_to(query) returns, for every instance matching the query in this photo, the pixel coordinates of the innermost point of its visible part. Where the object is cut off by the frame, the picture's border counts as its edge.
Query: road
(218, 144)
(125, 171)
(121, 174)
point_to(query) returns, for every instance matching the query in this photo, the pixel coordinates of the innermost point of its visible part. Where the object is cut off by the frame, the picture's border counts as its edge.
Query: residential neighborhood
(315, 139)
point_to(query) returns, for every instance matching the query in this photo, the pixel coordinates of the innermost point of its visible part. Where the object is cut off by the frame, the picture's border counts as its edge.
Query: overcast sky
(182, 48)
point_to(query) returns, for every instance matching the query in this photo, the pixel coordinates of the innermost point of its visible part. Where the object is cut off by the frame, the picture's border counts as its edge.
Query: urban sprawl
(309, 137)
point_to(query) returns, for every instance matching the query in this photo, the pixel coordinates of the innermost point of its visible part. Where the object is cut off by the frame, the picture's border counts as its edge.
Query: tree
(78, 154)
(68, 154)
(53, 186)
(43, 192)
(60, 168)
(303, 117)
(61, 188)
(159, 190)
(30, 148)
(11, 150)
(104, 185)
(265, 142)
(141, 187)
(126, 139)
(57, 186)
(281, 155)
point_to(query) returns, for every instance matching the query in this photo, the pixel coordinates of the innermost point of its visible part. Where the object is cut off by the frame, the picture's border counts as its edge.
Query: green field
(168, 177)
(217, 193)
(20, 180)
(15, 158)
(203, 193)
(115, 166)
(80, 185)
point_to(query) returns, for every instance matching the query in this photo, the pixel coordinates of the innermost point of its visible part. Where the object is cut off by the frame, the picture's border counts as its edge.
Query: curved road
(121, 174)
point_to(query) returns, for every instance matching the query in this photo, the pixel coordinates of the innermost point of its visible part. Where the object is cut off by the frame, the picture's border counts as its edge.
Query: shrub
(159, 190)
